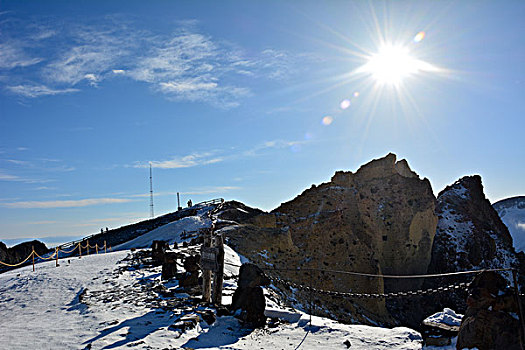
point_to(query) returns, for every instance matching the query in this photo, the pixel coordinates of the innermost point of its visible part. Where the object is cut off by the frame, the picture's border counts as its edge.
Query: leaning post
(218, 276)
(206, 273)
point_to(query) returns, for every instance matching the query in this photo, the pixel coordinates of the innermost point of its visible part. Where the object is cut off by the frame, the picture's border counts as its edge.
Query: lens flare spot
(308, 136)
(327, 120)
(345, 104)
(356, 94)
(419, 37)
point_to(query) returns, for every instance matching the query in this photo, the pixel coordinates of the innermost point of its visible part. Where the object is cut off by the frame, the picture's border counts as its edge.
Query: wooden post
(105, 247)
(33, 254)
(87, 246)
(206, 274)
(80, 249)
(520, 314)
(218, 276)
(56, 258)
(96, 247)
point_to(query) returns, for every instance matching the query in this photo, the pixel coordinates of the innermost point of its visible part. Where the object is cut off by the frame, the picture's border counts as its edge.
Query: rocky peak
(376, 169)
(379, 219)
(470, 235)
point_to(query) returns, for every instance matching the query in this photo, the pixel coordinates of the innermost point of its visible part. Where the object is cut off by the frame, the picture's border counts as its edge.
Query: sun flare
(392, 64)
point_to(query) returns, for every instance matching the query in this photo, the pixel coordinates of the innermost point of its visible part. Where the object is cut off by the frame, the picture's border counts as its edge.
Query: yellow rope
(20, 263)
(49, 258)
(70, 251)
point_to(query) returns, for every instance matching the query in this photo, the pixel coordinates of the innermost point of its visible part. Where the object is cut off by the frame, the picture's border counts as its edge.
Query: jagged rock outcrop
(19, 252)
(470, 235)
(380, 219)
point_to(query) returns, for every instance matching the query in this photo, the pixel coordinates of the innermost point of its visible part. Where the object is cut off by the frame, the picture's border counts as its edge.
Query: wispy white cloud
(13, 56)
(38, 90)
(8, 177)
(273, 144)
(45, 222)
(184, 65)
(64, 203)
(217, 156)
(188, 161)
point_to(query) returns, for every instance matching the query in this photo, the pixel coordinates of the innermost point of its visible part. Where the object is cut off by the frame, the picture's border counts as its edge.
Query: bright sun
(392, 64)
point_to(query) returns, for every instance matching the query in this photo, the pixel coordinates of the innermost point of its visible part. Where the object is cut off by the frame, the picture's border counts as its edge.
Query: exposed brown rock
(378, 220)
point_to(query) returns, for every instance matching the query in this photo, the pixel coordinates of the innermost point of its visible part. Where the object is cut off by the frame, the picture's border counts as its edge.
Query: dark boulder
(248, 301)
(489, 322)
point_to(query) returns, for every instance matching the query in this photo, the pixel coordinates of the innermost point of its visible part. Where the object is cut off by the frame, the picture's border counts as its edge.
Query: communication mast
(151, 192)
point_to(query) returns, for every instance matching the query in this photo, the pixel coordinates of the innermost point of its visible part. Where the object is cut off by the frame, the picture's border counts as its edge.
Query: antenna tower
(151, 192)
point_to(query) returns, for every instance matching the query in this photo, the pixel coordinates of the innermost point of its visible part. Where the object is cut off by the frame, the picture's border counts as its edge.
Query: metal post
(33, 254)
(206, 274)
(218, 276)
(520, 314)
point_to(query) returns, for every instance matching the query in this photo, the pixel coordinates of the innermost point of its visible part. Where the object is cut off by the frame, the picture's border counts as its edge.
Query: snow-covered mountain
(512, 213)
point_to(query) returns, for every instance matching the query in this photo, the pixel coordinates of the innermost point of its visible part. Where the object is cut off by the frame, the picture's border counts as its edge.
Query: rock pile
(490, 321)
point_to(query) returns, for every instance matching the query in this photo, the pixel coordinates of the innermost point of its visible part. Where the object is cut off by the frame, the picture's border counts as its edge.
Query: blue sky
(246, 100)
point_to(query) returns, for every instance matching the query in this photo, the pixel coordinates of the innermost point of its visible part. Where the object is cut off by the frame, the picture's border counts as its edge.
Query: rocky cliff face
(379, 220)
(470, 235)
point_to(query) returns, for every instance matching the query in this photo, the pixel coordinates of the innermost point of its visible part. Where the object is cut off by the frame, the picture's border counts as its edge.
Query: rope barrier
(48, 258)
(462, 285)
(54, 255)
(20, 263)
(389, 276)
(69, 251)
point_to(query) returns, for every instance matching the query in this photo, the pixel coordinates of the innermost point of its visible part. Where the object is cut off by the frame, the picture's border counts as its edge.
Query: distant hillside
(512, 213)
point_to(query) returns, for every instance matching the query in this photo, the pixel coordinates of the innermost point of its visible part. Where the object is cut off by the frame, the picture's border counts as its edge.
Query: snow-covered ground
(98, 303)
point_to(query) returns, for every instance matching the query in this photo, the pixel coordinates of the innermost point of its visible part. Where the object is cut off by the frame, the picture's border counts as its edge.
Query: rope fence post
(33, 254)
(79, 249)
(105, 247)
(87, 246)
(56, 252)
(96, 247)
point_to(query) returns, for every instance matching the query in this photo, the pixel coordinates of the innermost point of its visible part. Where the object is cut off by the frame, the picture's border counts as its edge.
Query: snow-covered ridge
(512, 213)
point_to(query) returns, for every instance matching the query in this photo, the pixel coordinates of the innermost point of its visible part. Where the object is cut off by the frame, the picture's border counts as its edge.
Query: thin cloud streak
(191, 160)
(64, 204)
(38, 90)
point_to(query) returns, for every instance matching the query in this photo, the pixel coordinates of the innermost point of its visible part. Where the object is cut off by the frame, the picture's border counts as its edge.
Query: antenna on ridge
(151, 192)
